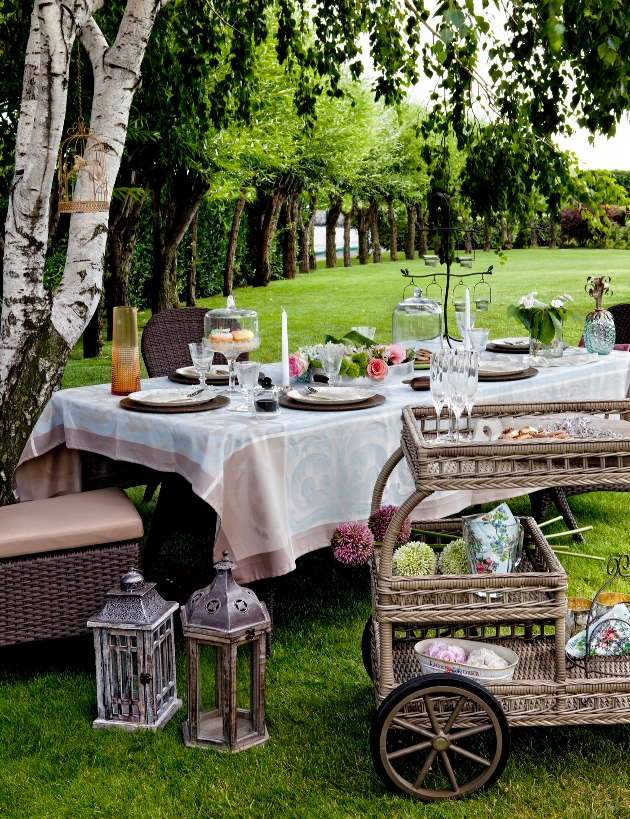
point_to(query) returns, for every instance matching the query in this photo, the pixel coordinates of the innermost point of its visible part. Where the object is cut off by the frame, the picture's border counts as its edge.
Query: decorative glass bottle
(599, 327)
(417, 322)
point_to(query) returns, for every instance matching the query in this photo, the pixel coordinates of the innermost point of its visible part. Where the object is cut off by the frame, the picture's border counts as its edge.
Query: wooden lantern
(226, 627)
(135, 657)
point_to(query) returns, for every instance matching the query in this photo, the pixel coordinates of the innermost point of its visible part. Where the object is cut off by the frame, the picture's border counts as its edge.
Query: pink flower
(352, 543)
(298, 365)
(380, 520)
(396, 353)
(377, 369)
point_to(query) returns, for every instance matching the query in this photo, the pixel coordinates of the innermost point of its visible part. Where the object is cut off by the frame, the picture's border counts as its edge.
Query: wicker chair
(542, 500)
(58, 559)
(166, 337)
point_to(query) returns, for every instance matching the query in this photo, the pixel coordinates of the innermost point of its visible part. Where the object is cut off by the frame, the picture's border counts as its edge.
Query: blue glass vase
(599, 332)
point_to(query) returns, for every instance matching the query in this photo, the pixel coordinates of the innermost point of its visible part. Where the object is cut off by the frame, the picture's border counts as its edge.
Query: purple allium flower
(352, 543)
(381, 519)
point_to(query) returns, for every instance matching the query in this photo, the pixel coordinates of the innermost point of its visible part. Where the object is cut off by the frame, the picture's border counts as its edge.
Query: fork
(306, 391)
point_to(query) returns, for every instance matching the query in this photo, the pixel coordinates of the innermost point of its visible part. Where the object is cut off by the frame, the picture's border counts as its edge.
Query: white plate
(499, 368)
(172, 397)
(333, 395)
(191, 372)
(517, 341)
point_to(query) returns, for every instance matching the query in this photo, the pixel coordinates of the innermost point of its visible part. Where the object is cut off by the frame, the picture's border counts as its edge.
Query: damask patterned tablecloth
(280, 485)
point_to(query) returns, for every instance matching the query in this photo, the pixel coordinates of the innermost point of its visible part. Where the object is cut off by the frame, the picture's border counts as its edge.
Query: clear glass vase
(599, 332)
(553, 350)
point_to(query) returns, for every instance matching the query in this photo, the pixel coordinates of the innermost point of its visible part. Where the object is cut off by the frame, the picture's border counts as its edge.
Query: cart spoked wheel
(366, 648)
(439, 737)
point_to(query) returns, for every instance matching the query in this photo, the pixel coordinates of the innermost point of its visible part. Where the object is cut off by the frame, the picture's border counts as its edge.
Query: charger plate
(217, 402)
(291, 403)
(211, 378)
(530, 372)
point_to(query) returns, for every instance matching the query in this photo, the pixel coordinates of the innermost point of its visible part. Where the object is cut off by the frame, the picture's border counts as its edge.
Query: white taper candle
(285, 350)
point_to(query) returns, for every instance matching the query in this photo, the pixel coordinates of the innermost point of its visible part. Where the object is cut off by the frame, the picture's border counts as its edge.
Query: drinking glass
(125, 355)
(472, 382)
(331, 355)
(460, 316)
(247, 372)
(457, 380)
(368, 332)
(478, 338)
(436, 380)
(201, 359)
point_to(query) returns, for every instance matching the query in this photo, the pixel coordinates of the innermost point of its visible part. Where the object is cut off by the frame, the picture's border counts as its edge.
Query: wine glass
(201, 359)
(331, 356)
(472, 382)
(247, 372)
(460, 318)
(458, 378)
(436, 380)
(478, 338)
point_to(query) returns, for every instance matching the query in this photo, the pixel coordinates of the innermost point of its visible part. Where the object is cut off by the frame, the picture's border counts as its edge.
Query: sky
(606, 154)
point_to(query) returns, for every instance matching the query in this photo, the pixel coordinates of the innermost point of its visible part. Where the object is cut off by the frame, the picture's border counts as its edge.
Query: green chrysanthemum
(414, 558)
(453, 559)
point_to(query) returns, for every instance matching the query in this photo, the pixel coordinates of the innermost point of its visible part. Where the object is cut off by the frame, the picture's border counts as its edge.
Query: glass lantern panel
(243, 676)
(210, 717)
(115, 685)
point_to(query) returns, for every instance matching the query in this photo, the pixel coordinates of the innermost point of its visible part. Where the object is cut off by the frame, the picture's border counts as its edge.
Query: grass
(319, 699)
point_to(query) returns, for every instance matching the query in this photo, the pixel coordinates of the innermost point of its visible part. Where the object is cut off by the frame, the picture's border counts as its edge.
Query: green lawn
(319, 700)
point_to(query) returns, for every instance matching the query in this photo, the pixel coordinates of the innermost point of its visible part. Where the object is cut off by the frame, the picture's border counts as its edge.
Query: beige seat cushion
(68, 522)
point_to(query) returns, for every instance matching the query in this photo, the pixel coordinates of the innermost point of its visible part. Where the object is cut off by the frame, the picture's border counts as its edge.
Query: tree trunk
(93, 333)
(271, 204)
(331, 232)
(393, 231)
(289, 239)
(124, 225)
(468, 246)
(38, 326)
(507, 234)
(347, 227)
(410, 253)
(171, 220)
(487, 245)
(362, 225)
(553, 244)
(533, 234)
(191, 280)
(376, 242)
(422, 233)
(230, 256)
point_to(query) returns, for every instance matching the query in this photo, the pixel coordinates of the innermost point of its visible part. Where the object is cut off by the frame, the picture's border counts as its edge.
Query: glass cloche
(417, 322)
(230, 332)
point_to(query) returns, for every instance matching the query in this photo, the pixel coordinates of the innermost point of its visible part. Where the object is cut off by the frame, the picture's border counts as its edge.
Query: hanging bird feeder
(82, 172)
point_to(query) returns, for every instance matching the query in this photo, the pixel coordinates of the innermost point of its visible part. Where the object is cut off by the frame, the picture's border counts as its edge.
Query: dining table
(280, 485)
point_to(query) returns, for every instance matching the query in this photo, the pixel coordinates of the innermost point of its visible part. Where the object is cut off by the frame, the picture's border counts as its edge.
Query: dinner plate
(499, 368)
(172, 397)
(333, 395)
(191, 372)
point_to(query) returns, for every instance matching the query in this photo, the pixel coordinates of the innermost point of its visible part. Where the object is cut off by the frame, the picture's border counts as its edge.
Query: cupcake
(242, 335)
(221, 337)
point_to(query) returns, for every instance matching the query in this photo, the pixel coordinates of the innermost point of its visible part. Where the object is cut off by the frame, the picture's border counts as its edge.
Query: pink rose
(298, 365)
(396, 353)
(377, 369)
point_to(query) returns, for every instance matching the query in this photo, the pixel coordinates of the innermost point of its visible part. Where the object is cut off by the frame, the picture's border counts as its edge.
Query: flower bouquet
(545, 322)
(364, 362)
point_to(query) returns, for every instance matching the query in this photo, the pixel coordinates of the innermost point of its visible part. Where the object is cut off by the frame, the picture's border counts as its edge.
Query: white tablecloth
(280, 485)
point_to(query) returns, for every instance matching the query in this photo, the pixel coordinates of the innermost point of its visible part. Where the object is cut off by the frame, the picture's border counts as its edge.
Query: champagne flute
(472, 382)
(437, 388)
(458, 377)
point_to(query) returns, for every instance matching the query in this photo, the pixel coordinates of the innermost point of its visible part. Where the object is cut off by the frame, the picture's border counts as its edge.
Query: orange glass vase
(125, 354)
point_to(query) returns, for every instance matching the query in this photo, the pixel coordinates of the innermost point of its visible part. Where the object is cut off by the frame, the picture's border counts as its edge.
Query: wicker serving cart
(441, 736)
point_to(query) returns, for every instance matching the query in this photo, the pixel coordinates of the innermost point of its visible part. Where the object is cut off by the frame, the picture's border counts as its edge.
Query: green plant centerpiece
(544, 322)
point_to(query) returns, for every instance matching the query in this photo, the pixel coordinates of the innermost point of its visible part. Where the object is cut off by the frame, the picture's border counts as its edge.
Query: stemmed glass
(331, 356)
(472, 382)
(438, 395)
(247, 372)
(201, 359)
(460, 318)
(458, 386)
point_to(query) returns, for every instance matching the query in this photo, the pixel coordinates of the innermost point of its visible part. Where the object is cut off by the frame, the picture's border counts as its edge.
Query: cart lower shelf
(532, 698)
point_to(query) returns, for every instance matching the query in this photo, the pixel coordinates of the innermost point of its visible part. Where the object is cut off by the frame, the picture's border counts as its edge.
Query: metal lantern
(226, 627)
(135, 657)
(82, 172)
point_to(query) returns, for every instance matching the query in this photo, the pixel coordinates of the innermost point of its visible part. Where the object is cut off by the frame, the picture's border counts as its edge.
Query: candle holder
(125, 354)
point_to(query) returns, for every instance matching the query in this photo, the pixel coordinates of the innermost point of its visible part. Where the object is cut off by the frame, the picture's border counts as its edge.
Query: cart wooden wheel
(366, 648)
(439, 737)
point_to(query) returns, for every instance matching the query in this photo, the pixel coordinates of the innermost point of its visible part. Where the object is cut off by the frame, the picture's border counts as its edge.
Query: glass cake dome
(418, 322)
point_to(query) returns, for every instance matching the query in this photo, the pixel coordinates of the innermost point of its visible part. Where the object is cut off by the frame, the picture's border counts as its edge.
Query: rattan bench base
(52, 595)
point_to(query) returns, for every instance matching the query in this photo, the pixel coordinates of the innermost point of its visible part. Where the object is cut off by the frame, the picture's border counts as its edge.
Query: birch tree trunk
(39, 328)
